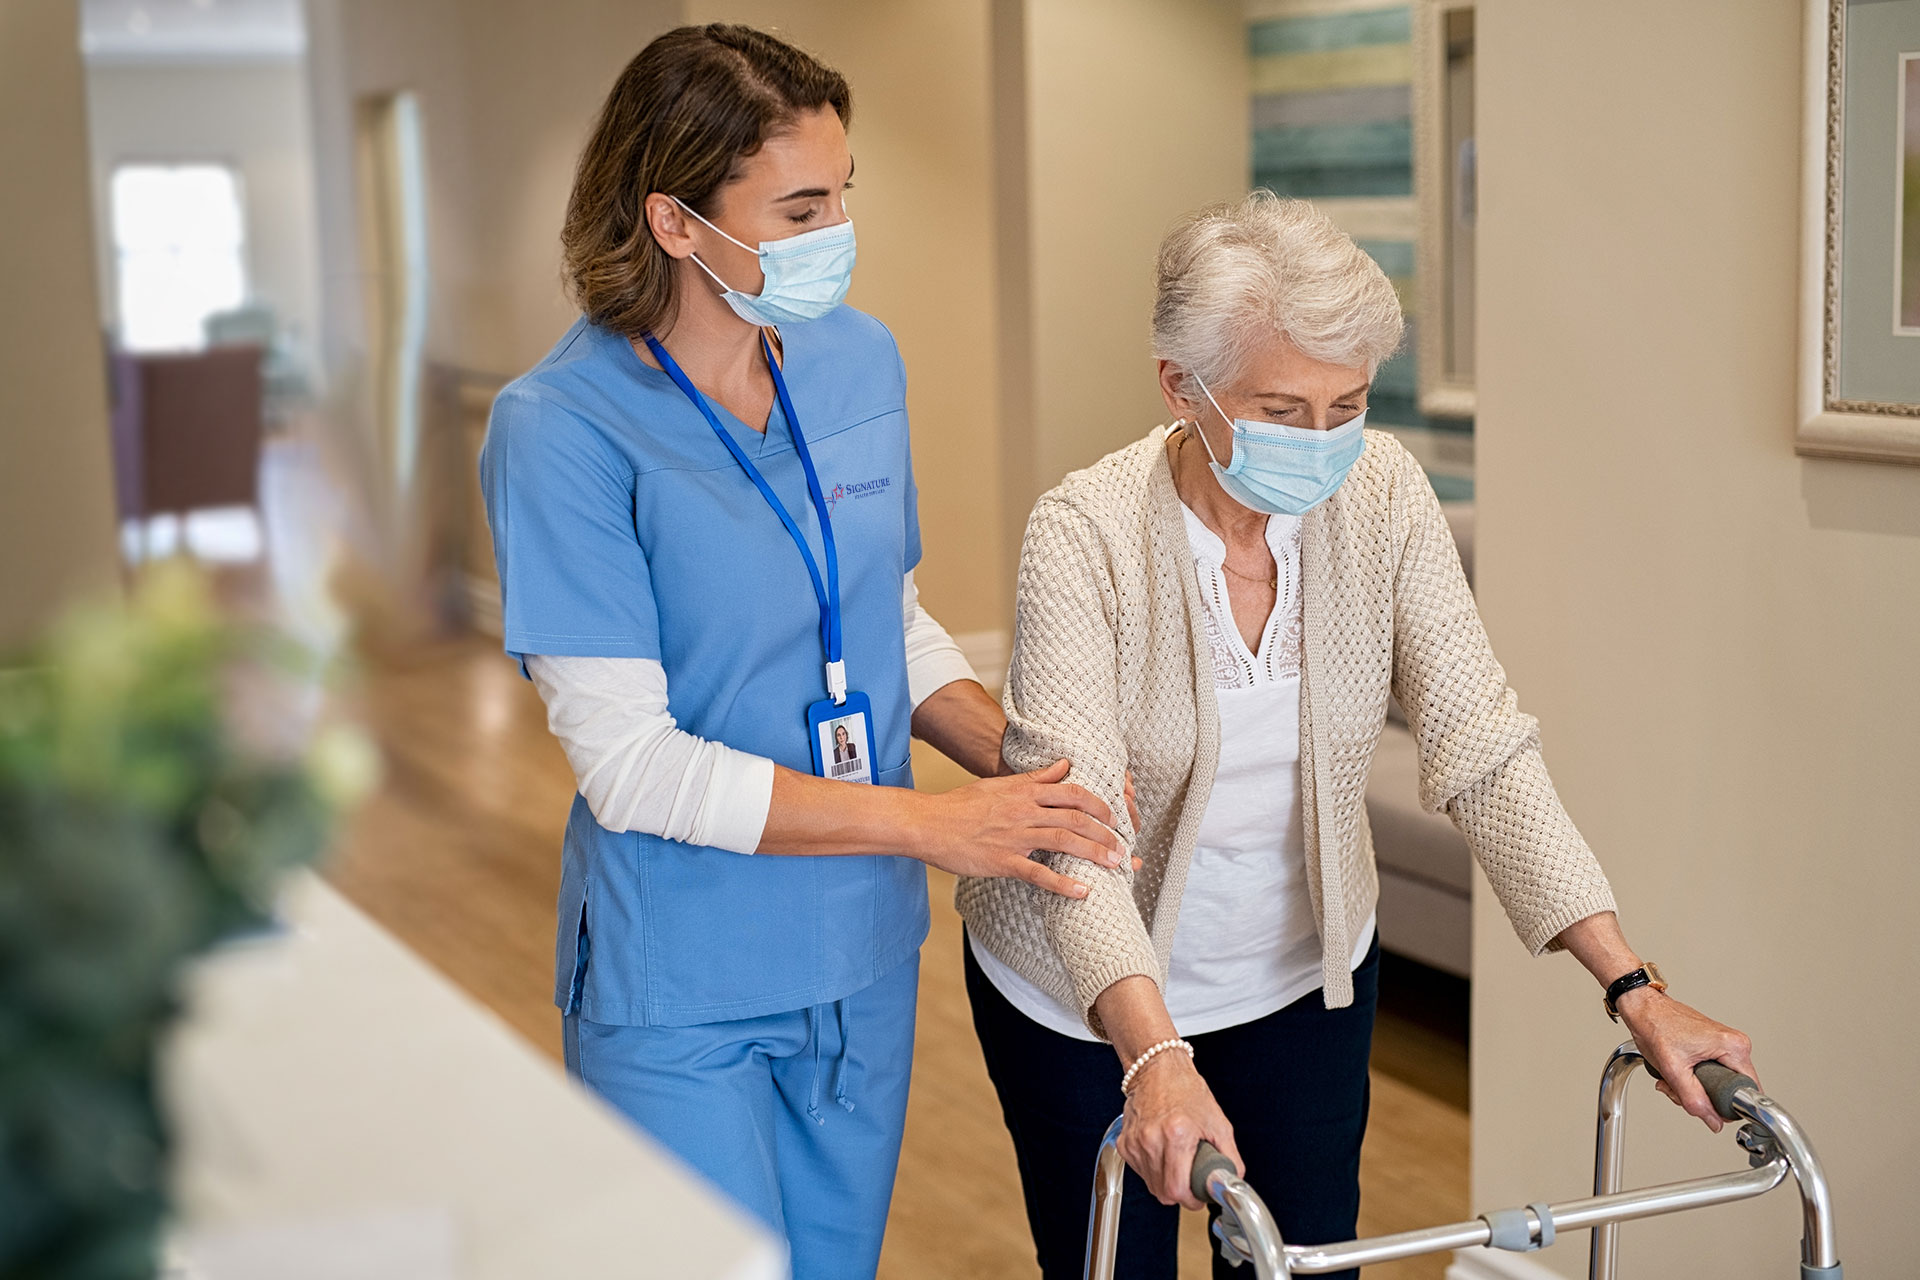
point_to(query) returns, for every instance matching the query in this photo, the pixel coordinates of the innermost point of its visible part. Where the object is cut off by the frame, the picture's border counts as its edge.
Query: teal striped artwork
(1332, 104)
(1319, 32)
(1367, 158)
(1332, 122)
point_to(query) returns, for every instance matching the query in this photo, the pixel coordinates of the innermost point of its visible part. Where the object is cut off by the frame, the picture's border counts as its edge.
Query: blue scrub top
(623, 528)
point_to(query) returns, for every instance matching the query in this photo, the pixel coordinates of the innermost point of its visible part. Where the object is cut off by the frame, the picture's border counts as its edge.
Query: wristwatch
(1647, 975)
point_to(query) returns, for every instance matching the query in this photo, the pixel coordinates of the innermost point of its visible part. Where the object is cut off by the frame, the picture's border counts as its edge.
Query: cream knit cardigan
(1111, 670)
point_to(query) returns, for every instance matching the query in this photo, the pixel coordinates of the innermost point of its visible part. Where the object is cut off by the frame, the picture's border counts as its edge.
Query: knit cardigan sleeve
(1063, 702)
(1480, 760)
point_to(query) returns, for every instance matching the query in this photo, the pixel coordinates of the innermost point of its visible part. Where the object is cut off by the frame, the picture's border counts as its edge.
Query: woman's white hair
(1234, 277)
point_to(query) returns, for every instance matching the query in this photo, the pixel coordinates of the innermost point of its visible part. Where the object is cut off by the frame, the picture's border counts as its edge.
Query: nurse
(703, 514)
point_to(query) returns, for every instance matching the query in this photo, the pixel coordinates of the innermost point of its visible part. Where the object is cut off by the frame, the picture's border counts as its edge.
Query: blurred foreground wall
(56, 481)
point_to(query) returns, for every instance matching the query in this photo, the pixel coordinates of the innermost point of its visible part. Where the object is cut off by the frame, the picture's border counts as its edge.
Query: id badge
(842, 736)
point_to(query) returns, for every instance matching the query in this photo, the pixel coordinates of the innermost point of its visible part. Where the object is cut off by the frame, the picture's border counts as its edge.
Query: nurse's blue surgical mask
(1281, 470)
(806, 275)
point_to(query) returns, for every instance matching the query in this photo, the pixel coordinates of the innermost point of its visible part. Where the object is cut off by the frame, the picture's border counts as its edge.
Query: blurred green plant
(139, 826)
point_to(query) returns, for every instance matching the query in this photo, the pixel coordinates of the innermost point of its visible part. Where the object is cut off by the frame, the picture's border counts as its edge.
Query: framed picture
(1860, 263)
(1443, 187)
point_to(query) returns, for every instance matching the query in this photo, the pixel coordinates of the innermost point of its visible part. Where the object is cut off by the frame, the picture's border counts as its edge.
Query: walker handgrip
(1719, 1080)
(1208, 1161)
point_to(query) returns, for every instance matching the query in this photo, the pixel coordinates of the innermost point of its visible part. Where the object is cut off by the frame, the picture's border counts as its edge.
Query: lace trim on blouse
(1278, 658)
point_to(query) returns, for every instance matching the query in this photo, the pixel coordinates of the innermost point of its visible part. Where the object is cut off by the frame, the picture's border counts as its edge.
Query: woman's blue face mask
(806, 275)
(1281, 470)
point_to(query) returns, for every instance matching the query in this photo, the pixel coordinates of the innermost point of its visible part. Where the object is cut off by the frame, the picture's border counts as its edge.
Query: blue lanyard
(828, 593)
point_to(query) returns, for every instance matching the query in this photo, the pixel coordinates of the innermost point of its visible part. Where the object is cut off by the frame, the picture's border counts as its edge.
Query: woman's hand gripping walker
(1773, 1141)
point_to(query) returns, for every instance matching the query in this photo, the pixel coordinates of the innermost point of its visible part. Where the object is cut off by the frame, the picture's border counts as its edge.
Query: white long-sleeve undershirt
(639, 771)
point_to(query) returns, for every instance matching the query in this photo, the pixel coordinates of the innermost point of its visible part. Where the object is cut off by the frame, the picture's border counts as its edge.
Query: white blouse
(1246, 944)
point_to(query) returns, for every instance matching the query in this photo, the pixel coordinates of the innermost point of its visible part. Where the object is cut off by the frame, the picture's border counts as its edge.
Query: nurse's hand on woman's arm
(986, 828)
(962, 722)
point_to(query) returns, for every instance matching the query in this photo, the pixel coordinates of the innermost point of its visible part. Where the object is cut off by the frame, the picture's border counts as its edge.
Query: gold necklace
(1272, 581)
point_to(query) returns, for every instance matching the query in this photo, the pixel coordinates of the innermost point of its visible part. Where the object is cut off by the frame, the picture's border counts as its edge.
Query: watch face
(1653, 975)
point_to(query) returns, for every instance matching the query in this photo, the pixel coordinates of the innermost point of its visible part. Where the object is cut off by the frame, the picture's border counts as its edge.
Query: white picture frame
(1829, 425)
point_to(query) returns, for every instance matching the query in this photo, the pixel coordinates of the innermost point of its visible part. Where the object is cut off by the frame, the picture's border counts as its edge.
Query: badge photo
(842, 735)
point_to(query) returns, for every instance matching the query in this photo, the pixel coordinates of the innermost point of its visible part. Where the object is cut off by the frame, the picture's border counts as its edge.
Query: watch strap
(1647, 975)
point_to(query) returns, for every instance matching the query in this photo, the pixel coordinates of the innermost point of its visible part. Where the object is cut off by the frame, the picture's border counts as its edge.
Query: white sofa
(1426, 872)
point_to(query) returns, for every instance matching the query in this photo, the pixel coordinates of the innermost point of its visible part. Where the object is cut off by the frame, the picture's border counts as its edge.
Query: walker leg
(1103, 1216)
(1609, 1155)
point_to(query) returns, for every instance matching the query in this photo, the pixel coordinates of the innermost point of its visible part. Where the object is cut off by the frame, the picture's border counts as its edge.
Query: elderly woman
(1224, 608)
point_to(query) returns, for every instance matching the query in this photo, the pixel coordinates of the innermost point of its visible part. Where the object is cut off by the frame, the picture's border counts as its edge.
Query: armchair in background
(186, 430)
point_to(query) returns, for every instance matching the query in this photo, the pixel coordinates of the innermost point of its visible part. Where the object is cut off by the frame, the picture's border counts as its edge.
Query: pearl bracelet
(1153, 1051)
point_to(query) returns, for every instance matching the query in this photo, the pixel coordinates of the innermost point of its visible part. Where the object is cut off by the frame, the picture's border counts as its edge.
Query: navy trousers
(1293, 1085)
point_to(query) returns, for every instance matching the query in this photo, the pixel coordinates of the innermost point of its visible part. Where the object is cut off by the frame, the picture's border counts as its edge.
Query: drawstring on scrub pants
(814, 1016)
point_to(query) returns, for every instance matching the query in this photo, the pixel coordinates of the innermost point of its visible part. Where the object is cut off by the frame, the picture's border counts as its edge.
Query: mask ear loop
(724, 286)
(749, 248)
(1214, 458)
(711, 274)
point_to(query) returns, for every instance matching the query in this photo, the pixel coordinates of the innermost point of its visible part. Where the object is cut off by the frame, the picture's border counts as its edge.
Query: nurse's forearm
(962, 722)
(811, 816)
(986, 828)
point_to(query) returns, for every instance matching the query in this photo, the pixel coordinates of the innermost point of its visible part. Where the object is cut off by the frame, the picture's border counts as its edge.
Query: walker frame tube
(1247, 1233)
(1819, 1247)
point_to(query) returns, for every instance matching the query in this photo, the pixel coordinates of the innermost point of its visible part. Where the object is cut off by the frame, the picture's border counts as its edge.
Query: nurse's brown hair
(687, 110)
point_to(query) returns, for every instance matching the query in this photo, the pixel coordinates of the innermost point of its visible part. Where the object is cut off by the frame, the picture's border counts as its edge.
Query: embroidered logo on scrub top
(861, 489)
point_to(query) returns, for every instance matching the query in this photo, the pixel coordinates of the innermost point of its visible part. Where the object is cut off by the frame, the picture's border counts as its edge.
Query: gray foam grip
(1720, 1081)
(1206, 1162)
(1820, 1273)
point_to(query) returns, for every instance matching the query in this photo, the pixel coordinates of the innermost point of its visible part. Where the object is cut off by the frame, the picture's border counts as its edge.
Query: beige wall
(923, 203)
(361, 50)
(252, 116)
(1019, 161)
(537, 75)
(1117, 117)
(507, 94)
(1136, 114)
(56, 482)
(1719, 637)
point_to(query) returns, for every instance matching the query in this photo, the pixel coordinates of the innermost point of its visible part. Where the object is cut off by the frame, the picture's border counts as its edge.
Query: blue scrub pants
(795, 1115)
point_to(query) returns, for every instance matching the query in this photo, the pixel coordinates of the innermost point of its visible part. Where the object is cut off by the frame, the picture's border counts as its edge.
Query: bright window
(179, 250)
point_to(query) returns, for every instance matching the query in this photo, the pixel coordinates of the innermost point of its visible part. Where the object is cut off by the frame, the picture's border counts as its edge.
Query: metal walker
(1775, 1146)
